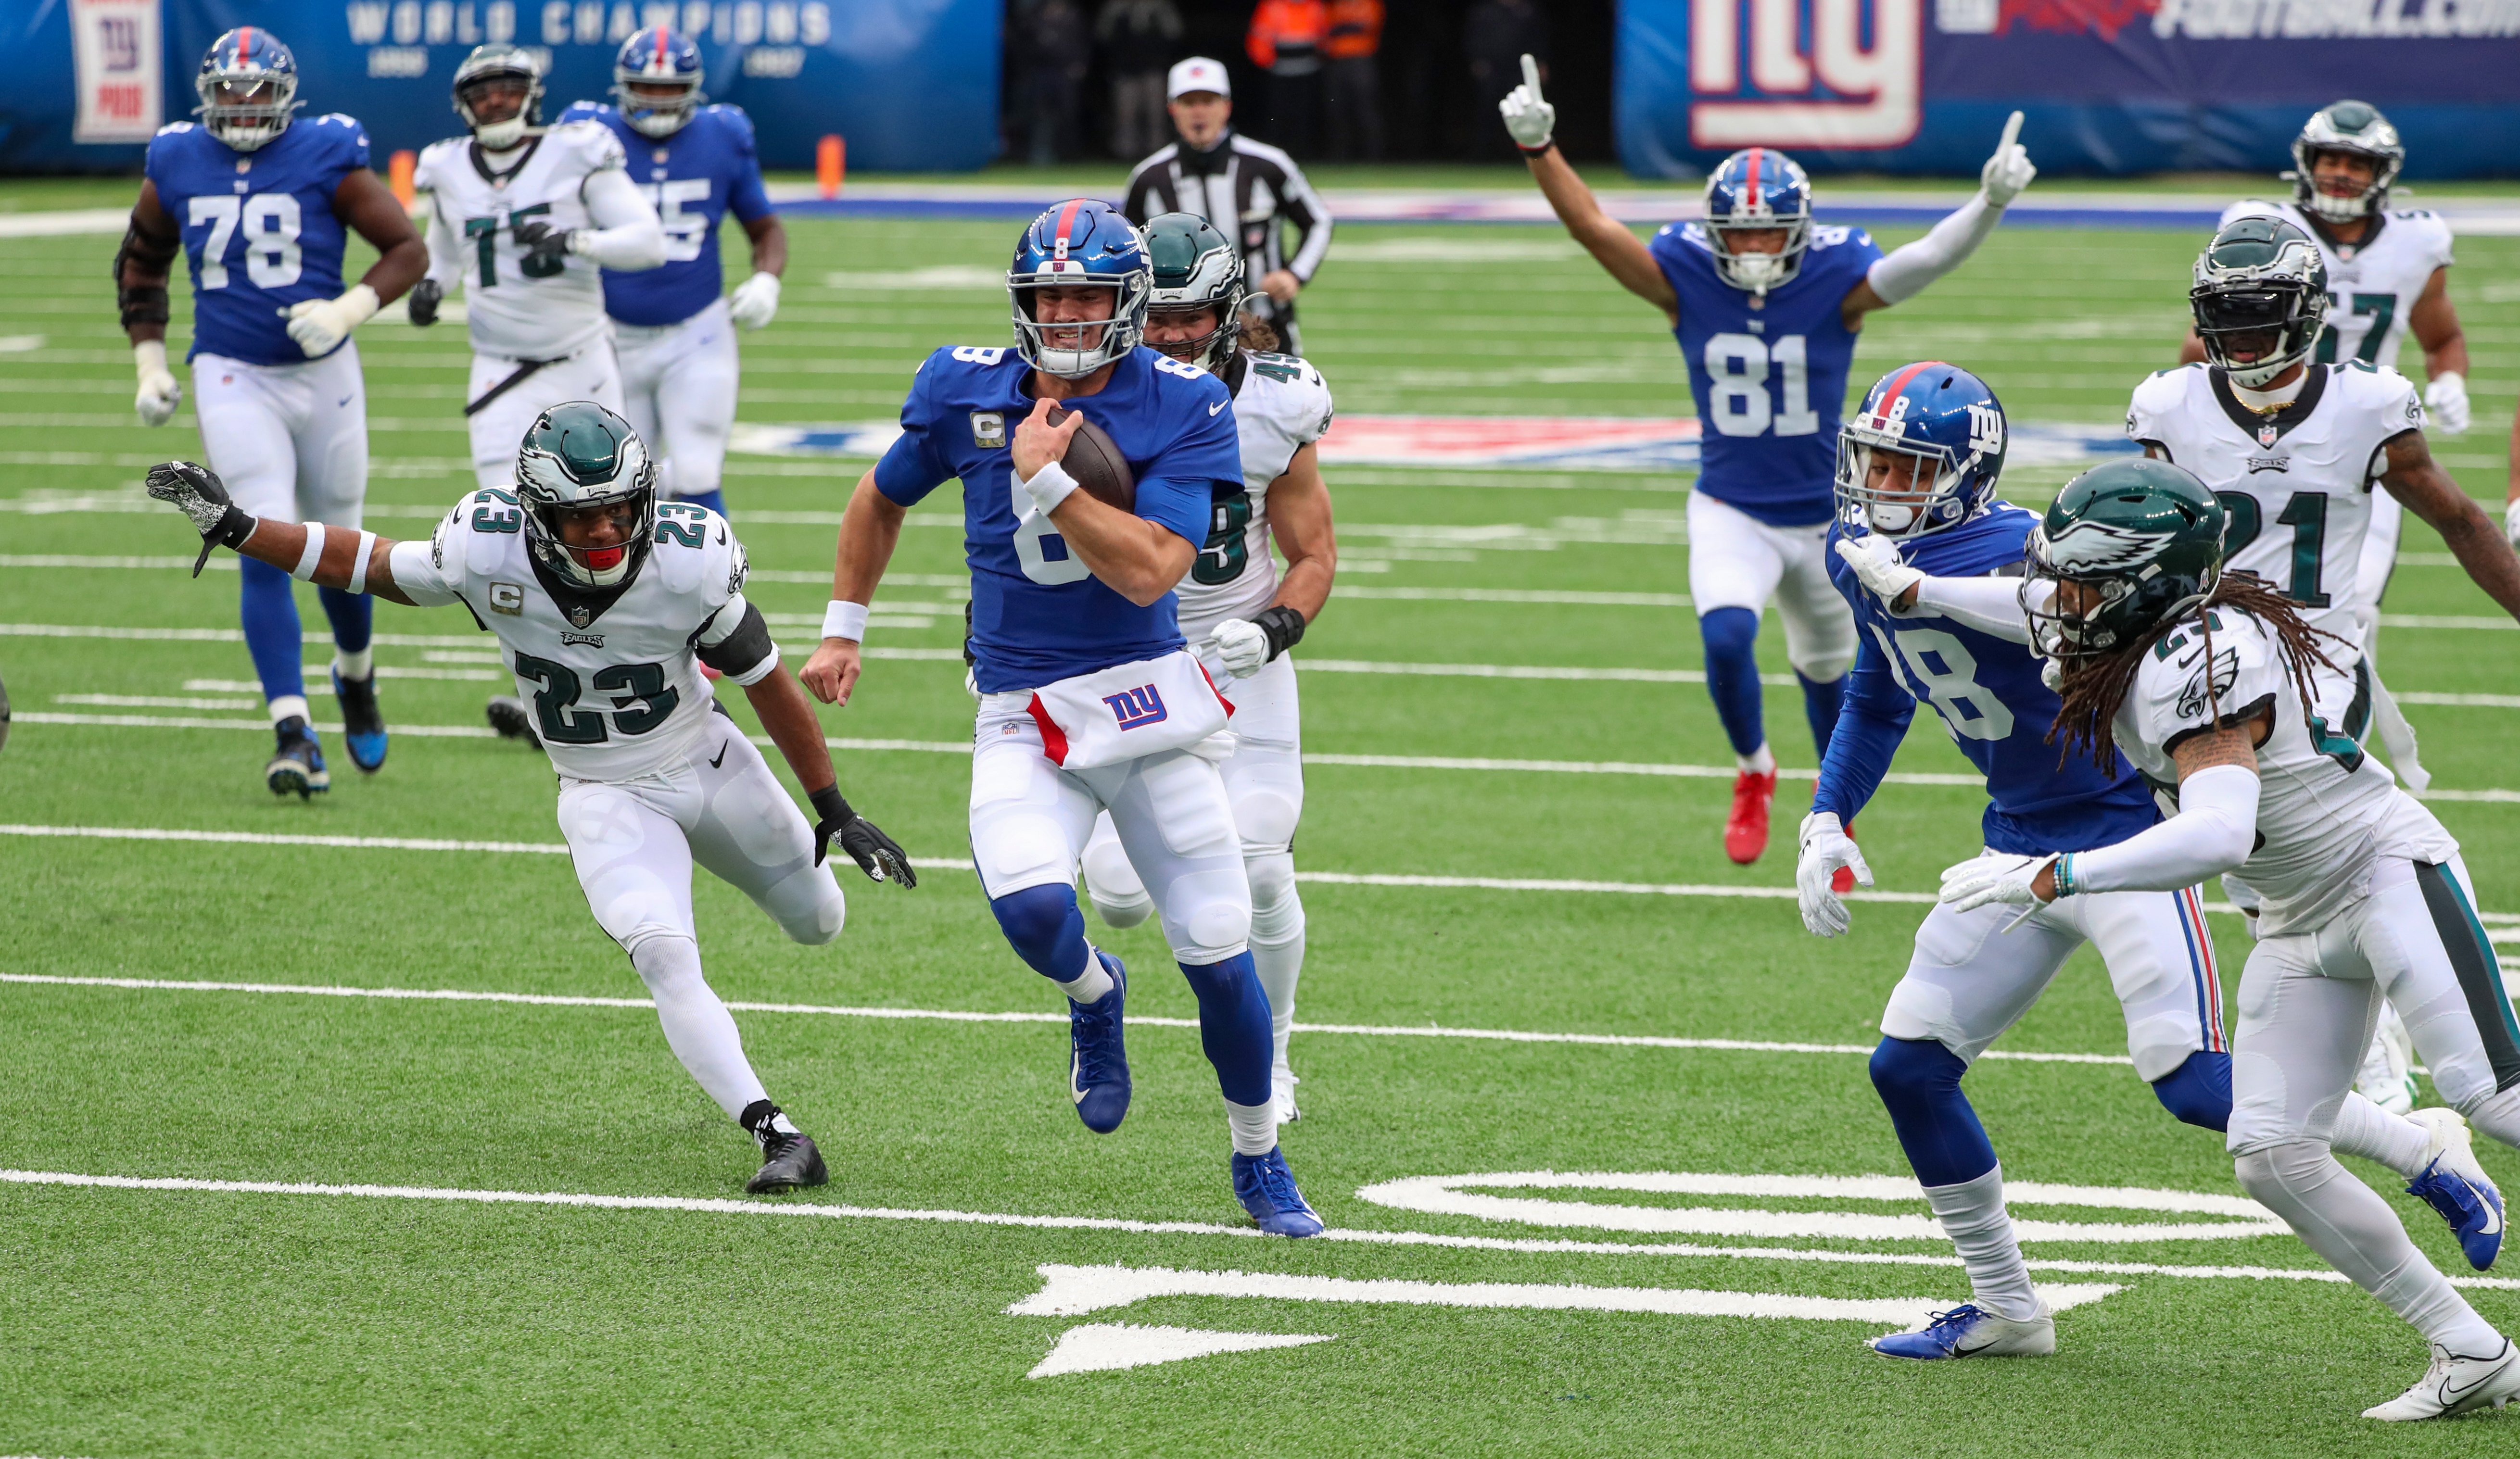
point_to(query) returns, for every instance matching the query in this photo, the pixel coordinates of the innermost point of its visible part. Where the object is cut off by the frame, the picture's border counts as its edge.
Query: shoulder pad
(2410, 212)
(987, 356)
(2249, 207)
(582, 111)
(733, 118)
(2171, 681)
(174, 129)
(711, 572)
(594, 140)
(339, 119)
(1828, 234)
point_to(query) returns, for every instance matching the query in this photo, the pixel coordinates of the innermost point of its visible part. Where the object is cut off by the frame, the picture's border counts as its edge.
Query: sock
(1730, 637)
(1820, 703)
(698, 1027)
(2199, 1091)
(2348, 1224)
(713, 500)
(352, 616)
(1919, 1084)
(288, 707)
(1759, 762)
(2366, 1129)
(359, 664)
(1091, 985)
(1276, 944)
(1233, 1031)
(1254, 1126)
(2497, 1114)
(1047, 929)
(1974, 1216)
(268, 608)
(761, 1120)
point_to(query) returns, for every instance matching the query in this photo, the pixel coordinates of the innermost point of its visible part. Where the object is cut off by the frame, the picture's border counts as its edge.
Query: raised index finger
(1531, 77)
(2011, 132)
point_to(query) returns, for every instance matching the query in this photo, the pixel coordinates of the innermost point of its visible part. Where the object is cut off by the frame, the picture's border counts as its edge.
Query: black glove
(198, 492)
(878, 855)
(541, 241)
(1283, 625)
(425, 296)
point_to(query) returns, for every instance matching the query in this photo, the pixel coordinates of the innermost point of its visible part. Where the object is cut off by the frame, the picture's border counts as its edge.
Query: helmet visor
(2249, 326)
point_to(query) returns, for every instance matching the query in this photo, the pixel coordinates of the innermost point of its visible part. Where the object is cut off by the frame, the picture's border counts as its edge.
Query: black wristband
(1283, 625)
(234, 527)
(1535, 152)
(831, 806)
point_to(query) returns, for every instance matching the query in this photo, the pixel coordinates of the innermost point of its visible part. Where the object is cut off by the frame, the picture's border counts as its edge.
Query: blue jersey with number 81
(1038, 614)
(258, 227)
(1768, 372)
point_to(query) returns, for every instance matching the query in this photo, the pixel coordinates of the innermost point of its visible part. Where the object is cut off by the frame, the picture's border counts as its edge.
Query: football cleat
(1282, 1085)
(1745, 831)
(2454, 1383)
(1971, 1331)
(363, 724)
(1842, 880)
(510, 717)
(1267, 1189)
(2388, 1075)
(2453, 1184)
(296, 767)
(1098, 1058)
(788, 1162)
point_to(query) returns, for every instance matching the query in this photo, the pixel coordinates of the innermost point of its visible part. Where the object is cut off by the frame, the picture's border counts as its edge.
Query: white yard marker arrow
(1098, 1347)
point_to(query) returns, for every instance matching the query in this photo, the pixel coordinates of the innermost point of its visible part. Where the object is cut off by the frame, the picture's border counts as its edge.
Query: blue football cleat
(363, 724)
(1267, 1189)
(2453, 1184)
(1971, 1331)
(1098, 1061)
(296, 767)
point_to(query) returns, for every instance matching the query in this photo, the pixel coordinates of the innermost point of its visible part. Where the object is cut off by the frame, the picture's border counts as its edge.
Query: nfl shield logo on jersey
(2268, 434)
(581, 616)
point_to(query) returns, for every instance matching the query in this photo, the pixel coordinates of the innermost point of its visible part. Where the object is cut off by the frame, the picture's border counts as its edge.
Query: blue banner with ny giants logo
(2108, 86)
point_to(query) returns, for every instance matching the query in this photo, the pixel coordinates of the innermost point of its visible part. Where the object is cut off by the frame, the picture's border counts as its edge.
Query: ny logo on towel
(1138, 707)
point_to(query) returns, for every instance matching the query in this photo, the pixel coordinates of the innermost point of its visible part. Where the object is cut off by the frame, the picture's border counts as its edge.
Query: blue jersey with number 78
(1768, 372)
(258, 226)
(1038, 614)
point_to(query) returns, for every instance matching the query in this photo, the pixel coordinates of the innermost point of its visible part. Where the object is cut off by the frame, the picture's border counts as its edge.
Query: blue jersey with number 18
(258, 226)
(1038, 614)
(1768, 370)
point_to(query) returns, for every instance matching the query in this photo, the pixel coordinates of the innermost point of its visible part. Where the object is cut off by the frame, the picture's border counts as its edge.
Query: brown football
(1093, 459)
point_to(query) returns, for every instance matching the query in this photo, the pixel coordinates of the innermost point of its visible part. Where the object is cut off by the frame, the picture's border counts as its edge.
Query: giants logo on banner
(1839, 73)
(116, 49)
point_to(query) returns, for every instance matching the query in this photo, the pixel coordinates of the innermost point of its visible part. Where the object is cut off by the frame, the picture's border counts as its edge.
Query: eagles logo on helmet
(2142, 536)
(580, 455)
(248, 87)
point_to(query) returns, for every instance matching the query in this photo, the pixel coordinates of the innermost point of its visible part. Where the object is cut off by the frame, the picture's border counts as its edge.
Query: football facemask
(486, 80)
(578, 457)
(248, 88)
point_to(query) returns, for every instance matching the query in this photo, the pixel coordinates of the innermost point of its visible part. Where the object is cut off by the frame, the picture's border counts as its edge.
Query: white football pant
(679, 381)
(1030, 822)
(290, 441)
(1738, 561)
(499, 427)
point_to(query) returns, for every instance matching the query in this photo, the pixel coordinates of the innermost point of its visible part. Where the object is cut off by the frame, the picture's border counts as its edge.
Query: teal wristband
(2065, 876)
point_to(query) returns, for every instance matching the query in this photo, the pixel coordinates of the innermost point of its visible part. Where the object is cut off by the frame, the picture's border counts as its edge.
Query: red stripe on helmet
(1753, 199)
(1911, 373)
(1066, 220)
(662, 62)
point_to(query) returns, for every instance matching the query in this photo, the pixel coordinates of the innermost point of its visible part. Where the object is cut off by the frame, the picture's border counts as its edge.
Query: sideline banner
(119, 58)
(2108, 86)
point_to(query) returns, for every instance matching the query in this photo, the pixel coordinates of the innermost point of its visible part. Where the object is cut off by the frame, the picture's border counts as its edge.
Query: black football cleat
(510, 717)
(788, 1162)
(363, 724)
(298, 763)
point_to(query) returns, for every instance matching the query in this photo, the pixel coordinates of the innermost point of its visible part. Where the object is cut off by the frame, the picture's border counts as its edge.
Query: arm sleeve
(746, 198)
(627, 237)
(417, 573)
(1302, 206)
(445, 249)
(1903, 273)
(1990, 605)
(1872, 721)
(2214, 832)
(736, 643)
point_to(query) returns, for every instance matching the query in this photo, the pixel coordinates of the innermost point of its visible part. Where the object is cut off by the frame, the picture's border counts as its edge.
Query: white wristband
(359, 561)
(304, 571)
(149, 355)
(845, 620)
(1048, 487)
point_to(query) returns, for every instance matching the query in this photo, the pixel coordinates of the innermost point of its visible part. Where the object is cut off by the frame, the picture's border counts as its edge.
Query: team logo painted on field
(1138, 707)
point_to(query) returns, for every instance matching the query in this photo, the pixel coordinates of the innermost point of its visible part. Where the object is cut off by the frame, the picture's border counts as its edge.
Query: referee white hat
(1197, 74)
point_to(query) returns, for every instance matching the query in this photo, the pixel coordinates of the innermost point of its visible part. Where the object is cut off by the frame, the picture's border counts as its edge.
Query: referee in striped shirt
(1249, 189)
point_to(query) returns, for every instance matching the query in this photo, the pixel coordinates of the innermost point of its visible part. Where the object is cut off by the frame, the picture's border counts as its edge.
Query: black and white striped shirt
(1251, 191)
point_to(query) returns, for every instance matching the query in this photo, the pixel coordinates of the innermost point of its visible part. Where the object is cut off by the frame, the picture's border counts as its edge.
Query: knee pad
(1277, 912)
(809, 907)
(1046, 929)
(1906, 1068)
(1265, 818)
(2198, 1091)
(1207, 917)
(1120, 898)
(1919, 1084)
(1729, 634)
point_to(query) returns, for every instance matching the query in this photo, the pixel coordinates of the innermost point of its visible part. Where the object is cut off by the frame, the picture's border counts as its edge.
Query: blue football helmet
(1080, 242)
(654, 60)
(248, 87)
(1922, 454)
(1758, 188)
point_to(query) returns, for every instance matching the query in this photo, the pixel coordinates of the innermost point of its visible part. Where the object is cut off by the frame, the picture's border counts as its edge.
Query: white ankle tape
(304, 571)
(359, 561)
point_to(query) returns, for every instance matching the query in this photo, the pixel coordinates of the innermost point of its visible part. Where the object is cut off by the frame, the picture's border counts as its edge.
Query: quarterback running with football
(1764, 302)
(525, 216)
(673, 329)
(2214, 681)
(1237, 612)
(1090, 698)
(605, 603)
(264, 204)
(1917, 468)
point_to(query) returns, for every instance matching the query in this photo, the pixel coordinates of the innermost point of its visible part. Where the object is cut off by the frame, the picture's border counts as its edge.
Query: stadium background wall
(911, 84)
(2109, 86)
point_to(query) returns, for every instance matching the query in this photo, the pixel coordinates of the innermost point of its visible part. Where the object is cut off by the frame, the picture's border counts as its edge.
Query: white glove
(2446, 401)
(1879, 567)
(755, 301)
(2008, 171)
(1240, 644)
(160, 395)
(1825, 848)
(1980, 880)
(1528, 120)
(2511, 524)
(319, 326)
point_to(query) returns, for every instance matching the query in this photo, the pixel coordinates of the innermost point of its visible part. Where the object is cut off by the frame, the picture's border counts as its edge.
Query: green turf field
(419, 1315)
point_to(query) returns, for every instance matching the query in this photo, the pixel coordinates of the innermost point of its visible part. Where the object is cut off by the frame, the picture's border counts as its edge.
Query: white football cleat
(2387, 1077)
(1282, 1084)
(1971, 1331)
(2454, 1383)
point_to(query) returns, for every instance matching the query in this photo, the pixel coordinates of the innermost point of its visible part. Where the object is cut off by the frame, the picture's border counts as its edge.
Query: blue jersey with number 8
(1768, 372)
(258, 227)
(1038, 614)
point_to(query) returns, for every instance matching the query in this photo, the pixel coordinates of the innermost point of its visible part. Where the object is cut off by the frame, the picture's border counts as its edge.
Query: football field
(338, 1128)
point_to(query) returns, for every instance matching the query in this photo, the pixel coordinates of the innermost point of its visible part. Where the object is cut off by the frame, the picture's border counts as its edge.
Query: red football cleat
(1842, 880)
(1745, 831)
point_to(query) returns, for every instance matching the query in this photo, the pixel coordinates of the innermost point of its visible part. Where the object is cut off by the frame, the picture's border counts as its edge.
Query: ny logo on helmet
(1811, 79)
(1986, 430)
